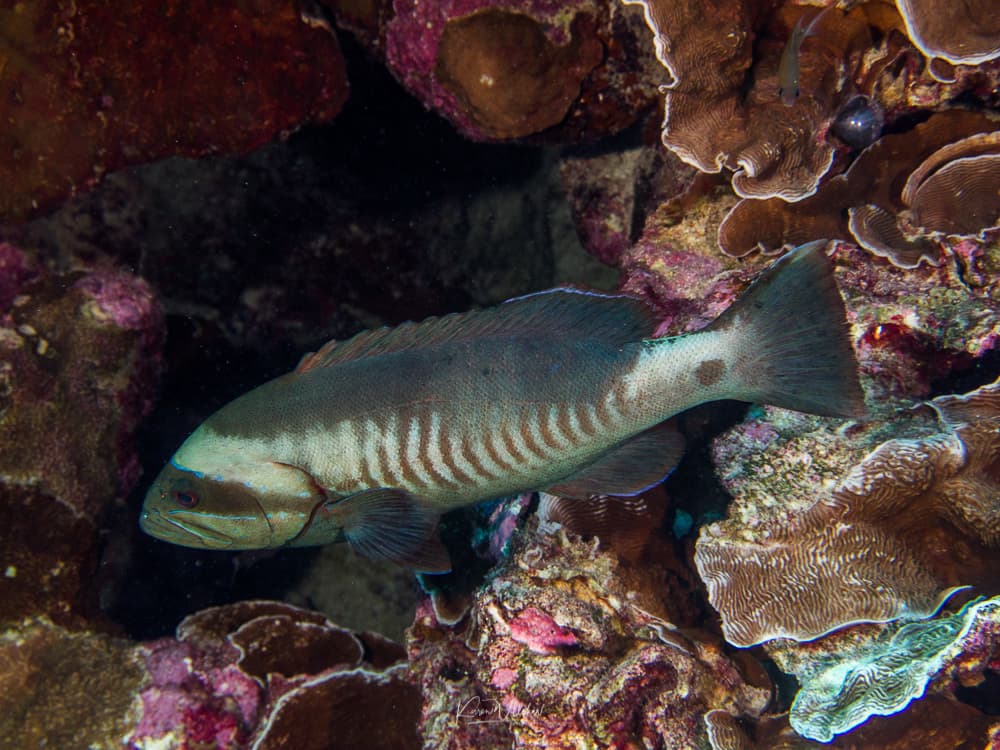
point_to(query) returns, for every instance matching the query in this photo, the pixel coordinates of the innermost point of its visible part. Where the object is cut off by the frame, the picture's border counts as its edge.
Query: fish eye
(185, 499)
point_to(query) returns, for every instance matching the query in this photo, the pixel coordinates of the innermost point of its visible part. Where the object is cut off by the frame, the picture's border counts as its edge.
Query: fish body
(371, 439)
(788, 66)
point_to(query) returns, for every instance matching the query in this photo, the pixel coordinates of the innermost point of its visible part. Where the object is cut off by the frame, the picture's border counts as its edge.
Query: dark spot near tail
(710, 371)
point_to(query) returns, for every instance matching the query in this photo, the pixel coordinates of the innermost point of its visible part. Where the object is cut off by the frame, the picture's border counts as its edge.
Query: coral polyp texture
(511, 70)
(567, 647)
(79, 359)
(90, 87)
(911, 522)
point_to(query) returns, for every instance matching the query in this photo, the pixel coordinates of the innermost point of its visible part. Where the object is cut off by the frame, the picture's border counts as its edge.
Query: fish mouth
(160, 525)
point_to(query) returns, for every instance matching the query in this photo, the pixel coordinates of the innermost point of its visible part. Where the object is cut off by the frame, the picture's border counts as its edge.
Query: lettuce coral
(885, 675)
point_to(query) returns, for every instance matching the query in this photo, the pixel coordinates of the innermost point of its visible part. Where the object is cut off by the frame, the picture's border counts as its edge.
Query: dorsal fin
(613, 319)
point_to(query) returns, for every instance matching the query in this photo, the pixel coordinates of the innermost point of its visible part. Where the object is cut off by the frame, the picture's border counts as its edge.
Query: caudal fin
(791, 336)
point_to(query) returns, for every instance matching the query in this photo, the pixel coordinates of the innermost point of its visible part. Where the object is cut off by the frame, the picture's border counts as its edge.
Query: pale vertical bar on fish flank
(342, 457)
(458, 455)
(485, 448)
(499, 415)
(414, 459)
(563, 440)
(583, 413)
(594, 418)
(577, 436)
(512, 439)
(638, 384)
(370, 436)
(532, 439)
(435, 455)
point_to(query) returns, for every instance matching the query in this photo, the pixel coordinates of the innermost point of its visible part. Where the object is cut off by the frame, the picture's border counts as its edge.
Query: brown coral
(510, 78)
(915, 519)
(900, 193)
(966, 33)
(711, 122)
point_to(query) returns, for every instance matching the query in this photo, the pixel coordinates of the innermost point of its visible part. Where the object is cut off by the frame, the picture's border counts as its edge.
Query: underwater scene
(487, 374)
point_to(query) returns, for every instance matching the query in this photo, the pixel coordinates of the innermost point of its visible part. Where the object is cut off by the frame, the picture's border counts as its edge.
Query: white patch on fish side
(666, 374)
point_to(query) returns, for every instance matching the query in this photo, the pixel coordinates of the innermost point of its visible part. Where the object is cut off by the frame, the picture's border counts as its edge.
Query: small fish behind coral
(788, 66)
(369, 440)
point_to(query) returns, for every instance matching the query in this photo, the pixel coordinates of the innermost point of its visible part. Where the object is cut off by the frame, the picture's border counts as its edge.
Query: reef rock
(567, 647)
(79, 357)
(254, 674)
(90, 87)
(511, 70)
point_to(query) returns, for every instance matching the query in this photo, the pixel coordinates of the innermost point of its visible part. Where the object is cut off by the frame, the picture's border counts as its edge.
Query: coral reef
(510, 70)
(254, 674)
(88, 87)
(568, 647)
(61, 688)
(269, 675)
(80, 359)
(882, 677)
(898, 198)
(910, 522)
(968, 35)
(857, 72)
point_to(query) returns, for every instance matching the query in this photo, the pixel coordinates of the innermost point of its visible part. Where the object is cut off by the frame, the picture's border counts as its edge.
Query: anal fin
(631, 467)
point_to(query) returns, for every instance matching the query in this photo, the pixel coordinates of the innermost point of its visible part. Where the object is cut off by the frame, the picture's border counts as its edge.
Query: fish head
(249, 506)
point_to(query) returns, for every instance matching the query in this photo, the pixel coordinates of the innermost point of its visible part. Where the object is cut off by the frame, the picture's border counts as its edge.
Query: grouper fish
(370, 439)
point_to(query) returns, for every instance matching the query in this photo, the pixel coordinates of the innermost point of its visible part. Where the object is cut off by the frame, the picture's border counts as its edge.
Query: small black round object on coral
(859, 123)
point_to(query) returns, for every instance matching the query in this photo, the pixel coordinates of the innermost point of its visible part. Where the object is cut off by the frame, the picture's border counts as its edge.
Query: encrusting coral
(79, 358)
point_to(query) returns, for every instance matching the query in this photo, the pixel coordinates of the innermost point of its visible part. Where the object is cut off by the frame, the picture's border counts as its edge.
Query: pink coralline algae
(539, 632)
(268, 675)
(122, 299)
(568, 647)
(15, 271)
(189, 699)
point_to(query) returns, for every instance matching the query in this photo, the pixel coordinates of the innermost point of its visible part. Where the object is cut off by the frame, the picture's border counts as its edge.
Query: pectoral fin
(390, 524)
(634, 466)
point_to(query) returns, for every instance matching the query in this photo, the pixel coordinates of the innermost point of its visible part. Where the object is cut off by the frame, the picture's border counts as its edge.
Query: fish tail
(792, 340)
